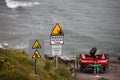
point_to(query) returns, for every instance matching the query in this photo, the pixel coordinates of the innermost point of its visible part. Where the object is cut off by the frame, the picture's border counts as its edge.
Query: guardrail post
(77, 60)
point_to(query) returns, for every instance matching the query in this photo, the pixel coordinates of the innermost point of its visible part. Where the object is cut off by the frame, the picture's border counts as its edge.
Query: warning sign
(57, 35)
(36, 54)
(57, 31)
(36, 45)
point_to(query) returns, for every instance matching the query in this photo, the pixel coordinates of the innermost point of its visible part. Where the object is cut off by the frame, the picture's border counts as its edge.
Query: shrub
(2, 60)
(13, 75)
(17, 66)
(48, 65)
(62, 74)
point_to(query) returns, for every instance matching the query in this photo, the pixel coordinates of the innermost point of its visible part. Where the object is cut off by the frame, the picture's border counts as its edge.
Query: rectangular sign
(57, 40)
(56, 50)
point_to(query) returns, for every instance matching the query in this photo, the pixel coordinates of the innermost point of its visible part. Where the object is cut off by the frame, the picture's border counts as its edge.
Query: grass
(17, 66)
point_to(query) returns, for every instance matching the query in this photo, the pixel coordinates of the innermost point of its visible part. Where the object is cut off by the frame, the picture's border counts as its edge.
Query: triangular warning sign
(36, 45)
(57, 31)
(36, 54)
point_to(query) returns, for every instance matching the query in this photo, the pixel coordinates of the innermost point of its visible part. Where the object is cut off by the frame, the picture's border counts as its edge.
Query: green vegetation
(17, 66)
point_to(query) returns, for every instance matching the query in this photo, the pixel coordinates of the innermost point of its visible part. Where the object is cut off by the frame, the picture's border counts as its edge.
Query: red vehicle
(97, 62)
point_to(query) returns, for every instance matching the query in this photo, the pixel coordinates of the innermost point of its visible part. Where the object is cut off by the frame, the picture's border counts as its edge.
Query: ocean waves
(15, 4)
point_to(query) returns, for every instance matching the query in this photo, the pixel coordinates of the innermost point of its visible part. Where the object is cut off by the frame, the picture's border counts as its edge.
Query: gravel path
(113, 73)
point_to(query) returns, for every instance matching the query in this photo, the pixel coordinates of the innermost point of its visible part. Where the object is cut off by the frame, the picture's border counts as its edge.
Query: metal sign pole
(75, 68)
(56, 63)
(35, 66)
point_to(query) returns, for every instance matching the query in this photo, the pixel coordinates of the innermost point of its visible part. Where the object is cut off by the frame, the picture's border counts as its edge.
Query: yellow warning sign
(36, 54)
(36, 45)
(57, 31)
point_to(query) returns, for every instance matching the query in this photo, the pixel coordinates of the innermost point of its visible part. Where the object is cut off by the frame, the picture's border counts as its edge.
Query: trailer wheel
(82, 68)
(104, 68)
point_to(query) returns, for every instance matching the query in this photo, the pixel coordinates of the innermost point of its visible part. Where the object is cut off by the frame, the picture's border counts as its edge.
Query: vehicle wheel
(119, 58)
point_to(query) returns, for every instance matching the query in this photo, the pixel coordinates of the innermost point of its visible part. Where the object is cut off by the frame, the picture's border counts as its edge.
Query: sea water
(85, 23)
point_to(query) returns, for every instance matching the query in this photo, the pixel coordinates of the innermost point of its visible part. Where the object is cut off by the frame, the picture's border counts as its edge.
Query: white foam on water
(21, 47)
(1, 46)
(5, 44)
(15, 4)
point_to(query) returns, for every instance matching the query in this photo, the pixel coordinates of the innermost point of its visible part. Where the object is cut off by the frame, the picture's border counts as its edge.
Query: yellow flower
(32, 75)
(12, 67)
(2, 59)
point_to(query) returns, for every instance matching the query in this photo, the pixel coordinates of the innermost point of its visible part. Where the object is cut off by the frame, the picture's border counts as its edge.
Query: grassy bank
(15, 65)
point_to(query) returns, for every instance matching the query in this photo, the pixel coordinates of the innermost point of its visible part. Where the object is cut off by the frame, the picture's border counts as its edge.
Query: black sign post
(35, 66)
